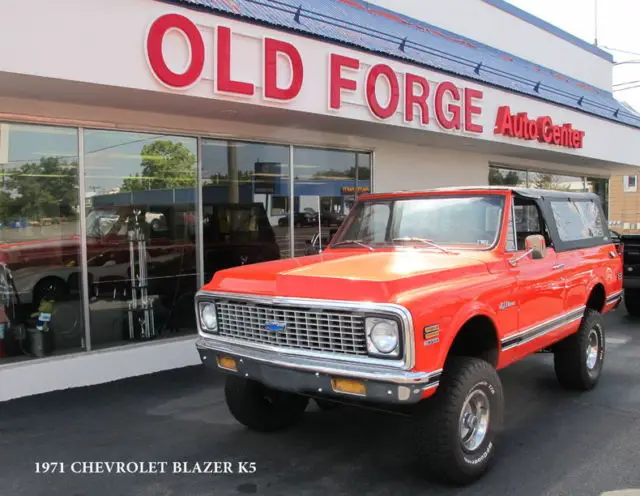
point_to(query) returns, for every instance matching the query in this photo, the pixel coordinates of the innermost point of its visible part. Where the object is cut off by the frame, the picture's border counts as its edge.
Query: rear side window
(578, 220)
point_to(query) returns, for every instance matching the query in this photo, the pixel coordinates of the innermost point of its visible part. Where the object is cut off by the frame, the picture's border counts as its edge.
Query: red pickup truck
(418, 300)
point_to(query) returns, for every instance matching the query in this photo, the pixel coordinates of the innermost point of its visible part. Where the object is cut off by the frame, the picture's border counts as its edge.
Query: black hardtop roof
(522, 192)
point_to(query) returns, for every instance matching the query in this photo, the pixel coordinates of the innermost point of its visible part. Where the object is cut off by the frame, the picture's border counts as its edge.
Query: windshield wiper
(422, 240)
(353, 242)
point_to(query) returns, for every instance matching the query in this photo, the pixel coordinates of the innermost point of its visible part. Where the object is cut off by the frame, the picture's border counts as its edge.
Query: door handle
(558, 267)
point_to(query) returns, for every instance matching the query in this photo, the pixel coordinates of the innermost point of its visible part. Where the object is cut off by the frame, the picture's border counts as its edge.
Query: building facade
(624, 204)
(147, 144)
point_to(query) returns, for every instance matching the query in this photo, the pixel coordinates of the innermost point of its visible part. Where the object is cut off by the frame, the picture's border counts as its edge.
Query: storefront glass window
(244, 197)
(40, 281)
(141, 235)
(326, 184)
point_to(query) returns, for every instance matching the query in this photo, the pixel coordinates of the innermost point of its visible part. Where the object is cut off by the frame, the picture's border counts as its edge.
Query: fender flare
(595, 280)
(463, 315)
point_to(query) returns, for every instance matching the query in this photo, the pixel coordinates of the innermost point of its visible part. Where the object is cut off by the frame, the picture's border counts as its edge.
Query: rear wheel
(457, 428)
(579, 358)
(261, 408)
(632, 302)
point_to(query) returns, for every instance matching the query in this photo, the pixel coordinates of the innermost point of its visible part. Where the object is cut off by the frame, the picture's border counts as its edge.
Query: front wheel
(261, 408)
(578, 359)
(457, 428)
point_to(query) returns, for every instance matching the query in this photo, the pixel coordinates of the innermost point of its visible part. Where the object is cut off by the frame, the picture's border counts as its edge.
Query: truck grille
(320, 330)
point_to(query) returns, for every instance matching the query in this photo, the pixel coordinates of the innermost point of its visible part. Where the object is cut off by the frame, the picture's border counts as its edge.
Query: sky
(618, 31)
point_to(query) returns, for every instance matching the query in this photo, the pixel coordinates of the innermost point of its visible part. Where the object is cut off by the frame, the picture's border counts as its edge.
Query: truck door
(540, 286)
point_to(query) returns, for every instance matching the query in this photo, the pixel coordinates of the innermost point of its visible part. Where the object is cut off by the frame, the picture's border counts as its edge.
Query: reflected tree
(549, 181)
(364, 174)
(44, 189)
(497, 178)
(165, 165)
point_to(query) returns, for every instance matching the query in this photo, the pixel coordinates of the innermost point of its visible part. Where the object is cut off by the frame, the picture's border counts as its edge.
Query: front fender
(467, 312)
(432, 347)
(448, 307)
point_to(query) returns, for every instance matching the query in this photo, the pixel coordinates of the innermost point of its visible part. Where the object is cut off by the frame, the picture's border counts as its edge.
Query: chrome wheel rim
(474, 420)
(593, 348)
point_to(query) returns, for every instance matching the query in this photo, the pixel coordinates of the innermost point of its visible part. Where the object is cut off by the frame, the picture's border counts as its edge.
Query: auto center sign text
(412, 95)
(542, 129)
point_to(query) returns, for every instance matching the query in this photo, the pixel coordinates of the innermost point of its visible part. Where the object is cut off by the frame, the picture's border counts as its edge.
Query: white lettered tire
(579, 358)
(457, 427)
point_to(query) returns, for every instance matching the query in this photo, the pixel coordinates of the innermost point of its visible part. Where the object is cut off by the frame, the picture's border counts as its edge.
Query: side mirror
(536, 245)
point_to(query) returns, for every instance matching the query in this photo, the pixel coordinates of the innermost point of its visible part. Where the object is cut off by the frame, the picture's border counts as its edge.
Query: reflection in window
(577, 220)
(244, 198)
(326, 186)
(507, 177)
(370, 223)
(39, 205)
(141, 235)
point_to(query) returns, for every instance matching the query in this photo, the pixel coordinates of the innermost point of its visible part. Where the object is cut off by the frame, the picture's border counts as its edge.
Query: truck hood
(372, 276)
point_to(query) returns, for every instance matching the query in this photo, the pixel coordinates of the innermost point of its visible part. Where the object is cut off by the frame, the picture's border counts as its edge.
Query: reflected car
(332, 218)
(300, 219)
(233, 234)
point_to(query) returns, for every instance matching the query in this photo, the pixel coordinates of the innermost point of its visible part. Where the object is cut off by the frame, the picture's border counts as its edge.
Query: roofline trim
(550, 28)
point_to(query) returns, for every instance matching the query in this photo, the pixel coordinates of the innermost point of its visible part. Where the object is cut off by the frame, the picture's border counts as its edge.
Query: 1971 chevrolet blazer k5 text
(418, 300)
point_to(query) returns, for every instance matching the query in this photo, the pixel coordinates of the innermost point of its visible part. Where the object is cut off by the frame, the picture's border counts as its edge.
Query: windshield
(467, 222)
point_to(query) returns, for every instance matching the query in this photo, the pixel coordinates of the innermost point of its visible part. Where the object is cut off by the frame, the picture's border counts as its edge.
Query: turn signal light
(349, 386)
(227, 363)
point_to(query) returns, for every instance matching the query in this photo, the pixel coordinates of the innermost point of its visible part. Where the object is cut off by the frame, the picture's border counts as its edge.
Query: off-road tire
(570, 357)
(632, 302)
(441, 452)
(260, 408)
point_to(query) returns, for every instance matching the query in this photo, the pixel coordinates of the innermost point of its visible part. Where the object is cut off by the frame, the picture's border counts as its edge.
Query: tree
(44, 189)
(165, 165)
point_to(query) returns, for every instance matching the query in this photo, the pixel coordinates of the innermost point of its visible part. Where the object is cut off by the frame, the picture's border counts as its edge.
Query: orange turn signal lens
(227, 363)
(349, 386)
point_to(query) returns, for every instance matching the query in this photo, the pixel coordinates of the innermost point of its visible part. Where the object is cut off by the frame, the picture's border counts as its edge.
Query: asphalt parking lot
(554, 443)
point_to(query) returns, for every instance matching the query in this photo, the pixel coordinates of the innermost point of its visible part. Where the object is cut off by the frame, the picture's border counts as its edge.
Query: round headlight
(208, 317)
(384, 336)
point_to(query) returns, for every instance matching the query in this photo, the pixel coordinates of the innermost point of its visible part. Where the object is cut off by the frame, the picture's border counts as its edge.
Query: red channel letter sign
(542, 129)
(411, 96)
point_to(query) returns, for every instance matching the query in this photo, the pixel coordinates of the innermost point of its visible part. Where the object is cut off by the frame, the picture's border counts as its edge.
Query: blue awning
(367, 27)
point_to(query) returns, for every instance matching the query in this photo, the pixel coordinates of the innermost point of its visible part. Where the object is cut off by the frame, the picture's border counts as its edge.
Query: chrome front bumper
(313, 375)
